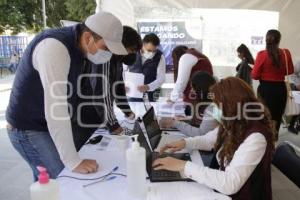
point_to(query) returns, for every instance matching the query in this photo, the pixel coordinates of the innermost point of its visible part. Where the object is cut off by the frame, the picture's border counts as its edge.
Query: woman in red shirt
(270, 69)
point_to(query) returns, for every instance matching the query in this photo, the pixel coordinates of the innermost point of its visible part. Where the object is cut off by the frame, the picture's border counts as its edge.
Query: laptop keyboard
(163, 173)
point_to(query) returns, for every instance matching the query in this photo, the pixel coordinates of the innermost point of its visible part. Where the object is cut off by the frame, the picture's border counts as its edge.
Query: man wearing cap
(44, 96)
(105, 79)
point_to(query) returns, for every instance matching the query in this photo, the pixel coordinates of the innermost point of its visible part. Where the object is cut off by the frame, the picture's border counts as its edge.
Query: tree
(78, 10)
(26, 15)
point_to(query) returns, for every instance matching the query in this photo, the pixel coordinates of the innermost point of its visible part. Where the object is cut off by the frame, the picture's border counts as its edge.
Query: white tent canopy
(129, 10)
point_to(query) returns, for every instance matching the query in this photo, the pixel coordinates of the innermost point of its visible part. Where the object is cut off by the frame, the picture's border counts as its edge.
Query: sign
(172, 34)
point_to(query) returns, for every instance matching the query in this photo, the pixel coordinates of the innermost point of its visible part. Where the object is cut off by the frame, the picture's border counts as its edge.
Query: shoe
(293, 130)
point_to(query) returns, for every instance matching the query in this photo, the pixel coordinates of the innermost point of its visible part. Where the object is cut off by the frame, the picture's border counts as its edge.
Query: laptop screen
(152, 127)
(143, 142)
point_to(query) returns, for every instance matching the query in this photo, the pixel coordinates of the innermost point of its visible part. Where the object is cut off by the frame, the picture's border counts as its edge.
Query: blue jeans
(38, 149)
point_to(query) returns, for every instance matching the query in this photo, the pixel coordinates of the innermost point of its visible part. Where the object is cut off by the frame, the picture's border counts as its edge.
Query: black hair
(177, 52)
(131, 38)
(201, 83)
(272, 45)
(151, 38)
(243, 49)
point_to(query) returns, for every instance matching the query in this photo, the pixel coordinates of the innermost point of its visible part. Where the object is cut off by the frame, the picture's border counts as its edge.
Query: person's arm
(52, 61)
(121, 99)
(111, 120)
(186, 128)
(258, 65)
(242, 165)
(204, 142)
(186, 63)
(208, 123)
(160, 75)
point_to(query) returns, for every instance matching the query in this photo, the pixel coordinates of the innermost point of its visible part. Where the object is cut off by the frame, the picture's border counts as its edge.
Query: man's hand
(117, 131)
(143, 88)
(168, 163)
(174, 146)
(86, 167)
(131, 116)
(126, 89)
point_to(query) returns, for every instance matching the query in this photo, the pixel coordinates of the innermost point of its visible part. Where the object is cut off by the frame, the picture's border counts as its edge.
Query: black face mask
(129, 59)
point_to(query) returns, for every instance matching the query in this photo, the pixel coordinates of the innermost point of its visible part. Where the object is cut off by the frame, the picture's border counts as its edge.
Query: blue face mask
(217, 113)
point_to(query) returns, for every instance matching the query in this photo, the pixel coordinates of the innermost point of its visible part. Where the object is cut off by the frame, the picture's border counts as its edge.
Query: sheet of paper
(175, 109)
(132, 81)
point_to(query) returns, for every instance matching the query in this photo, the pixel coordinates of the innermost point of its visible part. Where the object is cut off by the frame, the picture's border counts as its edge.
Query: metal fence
(11, 45)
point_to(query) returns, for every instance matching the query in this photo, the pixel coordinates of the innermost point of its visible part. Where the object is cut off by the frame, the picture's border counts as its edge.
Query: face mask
(217, 113)
(129, 59)
(100, 57)
(148, 55)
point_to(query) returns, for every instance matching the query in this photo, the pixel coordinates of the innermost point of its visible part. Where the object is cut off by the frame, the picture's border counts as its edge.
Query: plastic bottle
(44, 188)
(136, 170)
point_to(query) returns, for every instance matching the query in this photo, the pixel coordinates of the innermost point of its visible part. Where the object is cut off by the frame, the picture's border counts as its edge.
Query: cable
(92, 179)
(119, 174)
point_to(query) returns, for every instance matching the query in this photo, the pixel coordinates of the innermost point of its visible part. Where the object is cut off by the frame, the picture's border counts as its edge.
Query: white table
(115, 189)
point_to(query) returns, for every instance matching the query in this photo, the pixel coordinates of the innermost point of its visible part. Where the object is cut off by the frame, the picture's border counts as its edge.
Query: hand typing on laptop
(169, 163)
(166, 122)
(173, 147)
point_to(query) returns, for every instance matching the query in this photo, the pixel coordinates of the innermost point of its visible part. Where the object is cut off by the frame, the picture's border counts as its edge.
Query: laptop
(149, 107)
(153, 129)
(160, 175)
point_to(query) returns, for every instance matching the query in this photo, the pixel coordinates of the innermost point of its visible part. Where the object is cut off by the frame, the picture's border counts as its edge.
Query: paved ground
(15, 175)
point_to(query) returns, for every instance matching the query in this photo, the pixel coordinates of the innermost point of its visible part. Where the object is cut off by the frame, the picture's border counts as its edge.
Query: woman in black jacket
(244, 67)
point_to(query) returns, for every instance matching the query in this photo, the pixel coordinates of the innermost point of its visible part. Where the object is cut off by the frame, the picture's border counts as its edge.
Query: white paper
(173, 109)
(132, 81)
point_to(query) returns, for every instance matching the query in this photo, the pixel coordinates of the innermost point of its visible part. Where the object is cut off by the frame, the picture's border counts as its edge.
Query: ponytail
(272, 42)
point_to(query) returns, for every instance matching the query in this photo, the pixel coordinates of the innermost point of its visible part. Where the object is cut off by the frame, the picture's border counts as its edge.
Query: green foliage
(26, 15)
(78, 10)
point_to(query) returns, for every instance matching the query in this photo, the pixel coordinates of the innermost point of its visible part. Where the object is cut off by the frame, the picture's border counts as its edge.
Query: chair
(288, 162)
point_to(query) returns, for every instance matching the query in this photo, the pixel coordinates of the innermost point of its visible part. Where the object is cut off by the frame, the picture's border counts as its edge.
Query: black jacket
(106, 85)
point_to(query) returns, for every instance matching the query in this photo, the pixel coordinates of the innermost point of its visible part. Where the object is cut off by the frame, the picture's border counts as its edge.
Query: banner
(172, 34)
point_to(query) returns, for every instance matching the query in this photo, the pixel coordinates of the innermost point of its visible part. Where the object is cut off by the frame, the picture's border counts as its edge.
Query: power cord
(91, 179)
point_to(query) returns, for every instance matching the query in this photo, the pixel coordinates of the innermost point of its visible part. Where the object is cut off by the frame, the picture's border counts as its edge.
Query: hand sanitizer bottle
(136, 170)
(44, 188)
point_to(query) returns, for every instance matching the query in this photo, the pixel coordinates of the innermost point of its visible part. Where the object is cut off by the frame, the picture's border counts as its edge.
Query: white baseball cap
(109, 28)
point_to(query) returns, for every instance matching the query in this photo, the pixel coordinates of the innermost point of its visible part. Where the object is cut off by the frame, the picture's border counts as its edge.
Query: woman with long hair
(244, 68)
(270, 68)
(201, 82)
(244, 145)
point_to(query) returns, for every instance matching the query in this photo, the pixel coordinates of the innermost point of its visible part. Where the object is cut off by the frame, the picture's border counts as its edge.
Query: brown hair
(177, 52)
(231, 94)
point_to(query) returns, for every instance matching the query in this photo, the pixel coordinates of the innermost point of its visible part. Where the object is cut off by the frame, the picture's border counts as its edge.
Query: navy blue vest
(26, 105)
(149, 68)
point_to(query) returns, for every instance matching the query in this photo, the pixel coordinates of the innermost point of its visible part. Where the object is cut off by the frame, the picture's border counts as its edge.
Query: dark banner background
(171, 34)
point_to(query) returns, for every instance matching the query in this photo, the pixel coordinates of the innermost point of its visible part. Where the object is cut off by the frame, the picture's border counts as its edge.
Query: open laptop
(153, 129)
(159, 175)
(149, 107)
